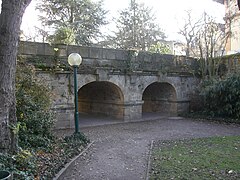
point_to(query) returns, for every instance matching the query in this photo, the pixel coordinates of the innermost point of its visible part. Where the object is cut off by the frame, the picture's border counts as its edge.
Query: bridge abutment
(132, 111)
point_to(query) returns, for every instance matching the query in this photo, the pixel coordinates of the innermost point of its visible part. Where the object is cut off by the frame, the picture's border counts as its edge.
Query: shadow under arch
(101, 97)
(160, 97)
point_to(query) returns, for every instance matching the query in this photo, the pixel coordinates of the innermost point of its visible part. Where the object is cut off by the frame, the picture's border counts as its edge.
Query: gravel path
(120, 151)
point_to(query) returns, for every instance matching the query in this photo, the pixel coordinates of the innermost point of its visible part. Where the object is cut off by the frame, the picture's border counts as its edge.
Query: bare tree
(38, 34)
(205, 39)
(10, 21)
(211, 41)
(189, 31)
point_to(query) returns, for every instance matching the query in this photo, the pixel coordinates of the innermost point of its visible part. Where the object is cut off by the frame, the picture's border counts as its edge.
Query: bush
(222, 97)
(75, 140)
(6, 161)
(40, 155)
(34, 115)
(22, 165)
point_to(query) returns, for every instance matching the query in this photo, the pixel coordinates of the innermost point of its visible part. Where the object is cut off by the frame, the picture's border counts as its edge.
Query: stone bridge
(118, 83)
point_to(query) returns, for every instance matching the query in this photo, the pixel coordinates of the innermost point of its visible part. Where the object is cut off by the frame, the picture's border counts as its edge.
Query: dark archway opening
(101, 98)
(160, 98)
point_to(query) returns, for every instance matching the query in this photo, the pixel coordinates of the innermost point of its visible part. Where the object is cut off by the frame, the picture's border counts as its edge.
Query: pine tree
(136, 28)
(82, 17)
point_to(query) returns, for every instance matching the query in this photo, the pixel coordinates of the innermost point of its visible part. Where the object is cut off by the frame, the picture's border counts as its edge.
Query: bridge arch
(101, 97)
(160, 97)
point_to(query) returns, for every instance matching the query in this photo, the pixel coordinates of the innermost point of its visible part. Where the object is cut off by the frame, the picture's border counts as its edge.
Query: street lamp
(74, 60)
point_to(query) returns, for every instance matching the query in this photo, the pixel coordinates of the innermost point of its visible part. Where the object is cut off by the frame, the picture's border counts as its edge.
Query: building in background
(232, 20)
(176, 47)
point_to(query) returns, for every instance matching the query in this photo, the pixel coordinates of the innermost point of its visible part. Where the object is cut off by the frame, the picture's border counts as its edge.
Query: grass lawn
(205, 158)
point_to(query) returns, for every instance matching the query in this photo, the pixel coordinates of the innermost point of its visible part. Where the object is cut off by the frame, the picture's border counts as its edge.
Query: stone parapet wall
(55, 56)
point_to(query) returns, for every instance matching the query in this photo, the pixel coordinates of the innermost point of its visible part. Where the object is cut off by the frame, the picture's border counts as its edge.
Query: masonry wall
(44, 55)
(112, 82)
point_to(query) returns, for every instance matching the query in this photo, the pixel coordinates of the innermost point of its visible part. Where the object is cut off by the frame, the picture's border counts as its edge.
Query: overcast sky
(169, 13)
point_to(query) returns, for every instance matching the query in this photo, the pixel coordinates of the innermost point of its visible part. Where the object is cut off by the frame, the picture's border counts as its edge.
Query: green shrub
(77, 139)
(22, 165)
(34, 116)
(6, 162)
(222, 97)
(40, 155)
(25, 161)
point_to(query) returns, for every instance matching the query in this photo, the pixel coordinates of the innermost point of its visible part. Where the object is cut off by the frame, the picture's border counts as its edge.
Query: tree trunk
(10, 21)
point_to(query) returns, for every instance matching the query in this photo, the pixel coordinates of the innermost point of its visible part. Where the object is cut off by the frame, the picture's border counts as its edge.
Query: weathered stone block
(48, 50)
(44, 49)
(182, 107)
(121, 55)
(132, 110)
(28, 48)
(102, 74)
(108, 54)
(105, 63)
(83, 51)
(95, 53)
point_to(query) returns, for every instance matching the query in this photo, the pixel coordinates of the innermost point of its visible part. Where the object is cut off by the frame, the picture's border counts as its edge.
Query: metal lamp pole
(75, 60)
(76, 99)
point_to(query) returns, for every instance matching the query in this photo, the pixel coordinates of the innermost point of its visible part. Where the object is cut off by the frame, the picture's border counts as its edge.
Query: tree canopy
(136, 28)
(79, 18)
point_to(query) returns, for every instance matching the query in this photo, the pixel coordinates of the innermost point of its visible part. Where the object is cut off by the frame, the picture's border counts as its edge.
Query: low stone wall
(44, 55)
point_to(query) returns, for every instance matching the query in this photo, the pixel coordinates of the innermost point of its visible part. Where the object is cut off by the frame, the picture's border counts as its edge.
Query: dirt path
(120, 151)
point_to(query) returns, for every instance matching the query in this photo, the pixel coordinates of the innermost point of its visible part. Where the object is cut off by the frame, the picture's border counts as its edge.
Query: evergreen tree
(136, 28)
(82, 17)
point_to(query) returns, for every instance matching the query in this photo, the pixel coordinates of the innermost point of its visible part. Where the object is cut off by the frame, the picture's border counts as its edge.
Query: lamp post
(74, 60)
